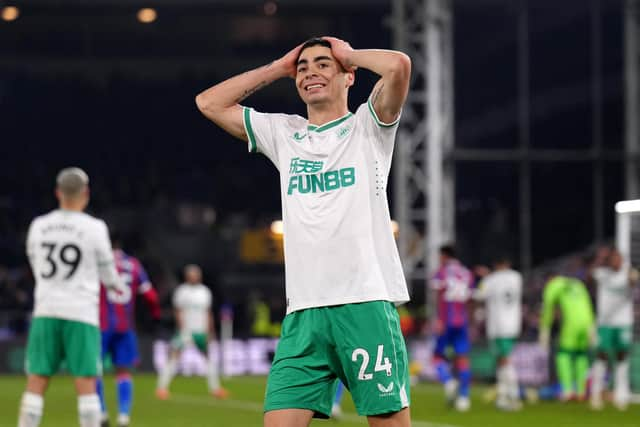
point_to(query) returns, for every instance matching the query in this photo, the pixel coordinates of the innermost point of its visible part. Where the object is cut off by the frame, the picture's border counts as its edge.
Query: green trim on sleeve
(249, 130)
(378, 121)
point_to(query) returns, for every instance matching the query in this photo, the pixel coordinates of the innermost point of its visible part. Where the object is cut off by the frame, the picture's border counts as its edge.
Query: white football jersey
(338, 242)
(502, 291)
(70, 253)
(194, 303)
(615, 301)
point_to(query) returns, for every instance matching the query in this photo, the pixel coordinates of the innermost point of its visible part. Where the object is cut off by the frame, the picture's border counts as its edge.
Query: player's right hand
(289, 62)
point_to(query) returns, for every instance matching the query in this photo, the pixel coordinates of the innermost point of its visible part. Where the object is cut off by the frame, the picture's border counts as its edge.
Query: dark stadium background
(83, 83)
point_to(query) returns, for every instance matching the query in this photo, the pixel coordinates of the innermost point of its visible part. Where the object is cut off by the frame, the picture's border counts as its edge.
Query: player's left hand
(342, 51)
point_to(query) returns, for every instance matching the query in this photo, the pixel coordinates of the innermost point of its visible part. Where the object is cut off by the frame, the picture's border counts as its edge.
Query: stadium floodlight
(10, 13)
(147, 15)
(270, 8)
(628, 206)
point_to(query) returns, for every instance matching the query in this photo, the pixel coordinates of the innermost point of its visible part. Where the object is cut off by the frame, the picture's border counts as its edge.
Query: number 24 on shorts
(379, 366)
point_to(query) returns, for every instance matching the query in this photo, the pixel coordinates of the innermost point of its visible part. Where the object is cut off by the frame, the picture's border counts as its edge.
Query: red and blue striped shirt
(453, 283)
(117, 309)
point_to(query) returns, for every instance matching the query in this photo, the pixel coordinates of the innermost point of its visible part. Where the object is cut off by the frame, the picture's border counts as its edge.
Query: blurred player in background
(502, 291)
(614, 278)
(117, 321)
(70, 253)
(452, 285)
(194, 320)
(343, 272)
(577, 332)
(336, 408)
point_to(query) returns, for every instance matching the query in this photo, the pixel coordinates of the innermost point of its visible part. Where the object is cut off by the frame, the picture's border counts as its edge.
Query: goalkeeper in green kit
(576, 332)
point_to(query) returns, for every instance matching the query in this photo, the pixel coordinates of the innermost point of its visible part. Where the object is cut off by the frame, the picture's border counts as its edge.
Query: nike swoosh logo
(299, 137)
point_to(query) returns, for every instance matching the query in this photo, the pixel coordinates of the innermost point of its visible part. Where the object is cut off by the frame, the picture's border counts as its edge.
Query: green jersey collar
(330, 124)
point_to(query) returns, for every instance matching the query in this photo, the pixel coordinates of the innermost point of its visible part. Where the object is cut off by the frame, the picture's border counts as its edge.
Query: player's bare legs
(37, 384)
(288, 418)
(85, 385)
(401, 418)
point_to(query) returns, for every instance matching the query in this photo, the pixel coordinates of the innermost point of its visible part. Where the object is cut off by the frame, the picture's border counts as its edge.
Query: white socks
(598, 373)
(89, 411)
(511, 380)
(31, 408)
(167, 373)
(501, 379)
(507, 379)
(213, 379)
(621, 388)
(32, 405)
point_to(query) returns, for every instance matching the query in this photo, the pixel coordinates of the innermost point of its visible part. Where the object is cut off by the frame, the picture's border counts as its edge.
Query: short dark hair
(502, 259)
(314, 41)
(448, 250)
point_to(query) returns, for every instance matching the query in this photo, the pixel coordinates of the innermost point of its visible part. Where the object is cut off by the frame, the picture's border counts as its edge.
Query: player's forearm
(389, 64)
(110, 278)
(391, 90)
(232, 91)
(546, 317)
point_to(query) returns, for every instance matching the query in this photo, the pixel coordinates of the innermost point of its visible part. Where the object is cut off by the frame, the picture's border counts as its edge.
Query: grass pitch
(190, 405)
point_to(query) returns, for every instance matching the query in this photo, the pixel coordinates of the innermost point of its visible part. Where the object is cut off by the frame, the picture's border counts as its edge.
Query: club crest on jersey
(306, 177)
(343, 131)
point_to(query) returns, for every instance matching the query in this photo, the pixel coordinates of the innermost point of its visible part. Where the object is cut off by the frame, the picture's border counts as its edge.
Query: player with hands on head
(342, 266)
(70, 254)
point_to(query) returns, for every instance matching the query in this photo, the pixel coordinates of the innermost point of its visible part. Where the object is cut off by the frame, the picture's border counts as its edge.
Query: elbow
(401, 66)
(201, 102)
(207, 107)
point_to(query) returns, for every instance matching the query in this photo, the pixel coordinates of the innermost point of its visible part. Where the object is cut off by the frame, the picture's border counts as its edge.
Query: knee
(37, 384)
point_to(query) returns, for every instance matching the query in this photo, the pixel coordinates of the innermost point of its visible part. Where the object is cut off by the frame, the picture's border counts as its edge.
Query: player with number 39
(70, 254)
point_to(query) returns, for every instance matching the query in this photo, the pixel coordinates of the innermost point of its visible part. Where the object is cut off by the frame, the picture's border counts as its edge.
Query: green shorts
(52, 340)
(502, 347)
(614, 339)
(199, 339)
(360, 344)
